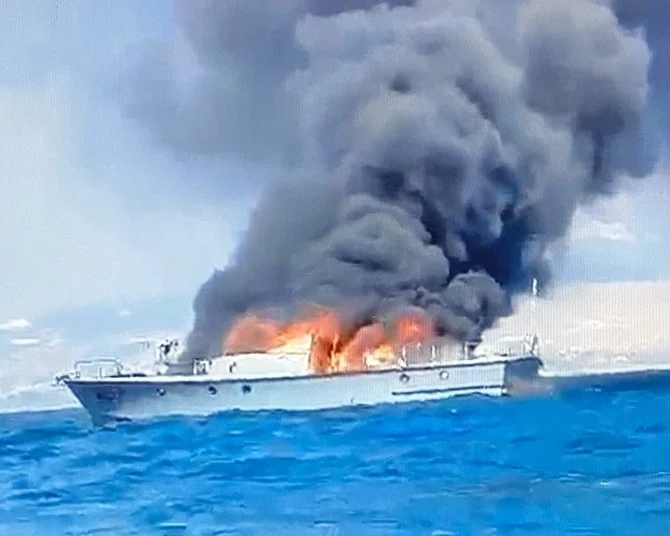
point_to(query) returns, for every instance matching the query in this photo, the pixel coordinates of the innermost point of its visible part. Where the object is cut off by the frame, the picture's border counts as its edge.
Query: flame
(331, 347)
(413, 329)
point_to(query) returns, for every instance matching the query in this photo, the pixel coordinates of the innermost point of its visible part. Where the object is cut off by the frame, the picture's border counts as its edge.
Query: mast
(534, 338)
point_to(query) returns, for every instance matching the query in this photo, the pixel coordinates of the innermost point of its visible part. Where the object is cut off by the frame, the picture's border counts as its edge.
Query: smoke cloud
(218, 89)
(430, 151)
(653, 18)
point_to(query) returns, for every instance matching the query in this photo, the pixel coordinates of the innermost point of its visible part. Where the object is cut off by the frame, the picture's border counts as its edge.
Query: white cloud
(15, 324)
(26, 341)
(607, 219)
(586, 228)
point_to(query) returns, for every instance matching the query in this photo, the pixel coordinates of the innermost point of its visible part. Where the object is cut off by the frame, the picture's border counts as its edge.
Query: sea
(585, 462)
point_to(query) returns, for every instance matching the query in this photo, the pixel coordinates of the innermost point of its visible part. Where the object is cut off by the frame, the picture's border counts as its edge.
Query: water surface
(585, 463)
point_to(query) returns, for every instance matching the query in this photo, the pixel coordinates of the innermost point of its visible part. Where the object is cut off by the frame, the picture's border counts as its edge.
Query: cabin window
(404, 378)
(246, 389)
(444, 375)
(211, 390)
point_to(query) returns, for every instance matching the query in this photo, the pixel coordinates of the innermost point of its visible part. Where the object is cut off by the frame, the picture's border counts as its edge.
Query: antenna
(533, 338)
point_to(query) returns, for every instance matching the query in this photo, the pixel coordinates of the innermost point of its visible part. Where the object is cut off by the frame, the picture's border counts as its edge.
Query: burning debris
(437, 149)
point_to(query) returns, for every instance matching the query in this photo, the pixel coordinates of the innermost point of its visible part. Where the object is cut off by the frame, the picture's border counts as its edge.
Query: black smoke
(436, 148)
(217, 88)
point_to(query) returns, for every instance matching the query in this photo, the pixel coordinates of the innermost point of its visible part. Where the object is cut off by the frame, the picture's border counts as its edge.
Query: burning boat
(304, 373)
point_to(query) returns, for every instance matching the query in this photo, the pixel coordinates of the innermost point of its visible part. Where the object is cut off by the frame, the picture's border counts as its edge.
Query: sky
(105, 236)
(101, 237)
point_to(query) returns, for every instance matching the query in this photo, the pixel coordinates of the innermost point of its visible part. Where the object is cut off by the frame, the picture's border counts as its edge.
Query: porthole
(211, 390)
(246, 389)
(444, 374)
(404, 378)
(160, 391)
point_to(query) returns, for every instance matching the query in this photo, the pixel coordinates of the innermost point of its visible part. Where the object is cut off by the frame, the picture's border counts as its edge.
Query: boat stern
(523, 376)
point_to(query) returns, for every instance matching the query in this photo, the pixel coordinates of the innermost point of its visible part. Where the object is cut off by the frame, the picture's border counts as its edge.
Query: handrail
(115, 365)
(201, 366)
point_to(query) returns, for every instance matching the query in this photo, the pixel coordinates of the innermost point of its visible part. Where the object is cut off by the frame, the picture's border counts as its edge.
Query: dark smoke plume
(231, 102)
(653, 18)
(437, 147)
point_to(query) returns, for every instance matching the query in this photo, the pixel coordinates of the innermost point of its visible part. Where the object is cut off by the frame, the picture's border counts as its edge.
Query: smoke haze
(427, 153)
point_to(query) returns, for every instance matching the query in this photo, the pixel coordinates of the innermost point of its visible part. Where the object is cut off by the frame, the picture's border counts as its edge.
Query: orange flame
(333, 349)
(413, 329)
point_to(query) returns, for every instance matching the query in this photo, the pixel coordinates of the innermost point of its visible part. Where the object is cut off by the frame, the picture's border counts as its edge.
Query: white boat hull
(140, 397)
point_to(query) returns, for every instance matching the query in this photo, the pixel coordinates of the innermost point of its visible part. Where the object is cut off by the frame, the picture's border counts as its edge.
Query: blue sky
(105, 236)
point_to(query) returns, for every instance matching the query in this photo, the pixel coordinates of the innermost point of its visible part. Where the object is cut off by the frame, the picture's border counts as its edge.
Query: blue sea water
(582, 463)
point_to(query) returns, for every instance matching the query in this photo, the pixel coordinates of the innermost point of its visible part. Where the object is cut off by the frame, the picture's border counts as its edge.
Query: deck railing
(98, 368)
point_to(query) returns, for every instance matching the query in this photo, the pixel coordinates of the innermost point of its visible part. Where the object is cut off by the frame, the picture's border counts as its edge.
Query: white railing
(98, 368)
(202, 366)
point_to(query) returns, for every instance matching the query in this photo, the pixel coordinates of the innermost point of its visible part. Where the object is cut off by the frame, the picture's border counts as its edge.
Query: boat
(283, 380)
